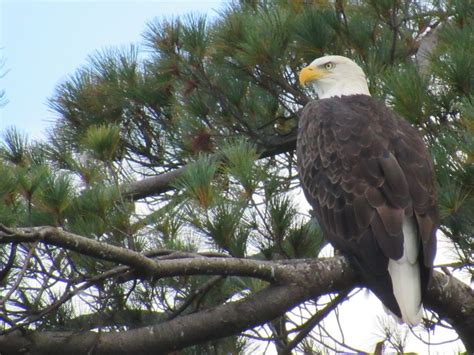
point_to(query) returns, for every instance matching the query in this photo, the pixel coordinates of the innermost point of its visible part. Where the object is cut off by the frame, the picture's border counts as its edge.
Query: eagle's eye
(329, 65)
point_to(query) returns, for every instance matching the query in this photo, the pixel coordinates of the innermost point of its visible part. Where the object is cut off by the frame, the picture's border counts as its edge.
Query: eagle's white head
(334, 75)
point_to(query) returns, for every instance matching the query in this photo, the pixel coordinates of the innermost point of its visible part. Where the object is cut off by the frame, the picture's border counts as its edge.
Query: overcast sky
(43, 43)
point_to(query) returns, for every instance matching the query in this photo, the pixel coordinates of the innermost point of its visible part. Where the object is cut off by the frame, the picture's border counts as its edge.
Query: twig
(9, 263)
(315, 320)
(430, 342)
(65, 297)
(203, 289)
(20, 276)
(338, 342)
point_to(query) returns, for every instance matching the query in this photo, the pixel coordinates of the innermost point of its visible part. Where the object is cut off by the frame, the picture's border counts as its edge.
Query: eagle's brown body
(363, 170)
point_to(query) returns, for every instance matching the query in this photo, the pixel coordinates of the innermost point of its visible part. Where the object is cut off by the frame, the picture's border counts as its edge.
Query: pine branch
(162, 183)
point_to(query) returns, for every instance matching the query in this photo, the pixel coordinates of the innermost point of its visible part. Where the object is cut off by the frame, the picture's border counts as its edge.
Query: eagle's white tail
(405, 274)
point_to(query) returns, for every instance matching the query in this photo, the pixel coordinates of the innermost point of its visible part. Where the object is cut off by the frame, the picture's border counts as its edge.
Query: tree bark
(454, 302)
(450, 298)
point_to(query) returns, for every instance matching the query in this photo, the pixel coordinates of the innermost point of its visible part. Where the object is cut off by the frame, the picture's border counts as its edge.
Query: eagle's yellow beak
(309, 73)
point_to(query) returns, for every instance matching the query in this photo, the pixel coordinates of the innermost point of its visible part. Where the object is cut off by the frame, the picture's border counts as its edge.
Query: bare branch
(19, 277)
(153, 185)
(315, 319)
(148, 267)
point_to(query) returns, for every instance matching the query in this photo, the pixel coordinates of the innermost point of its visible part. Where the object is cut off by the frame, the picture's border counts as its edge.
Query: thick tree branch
(450, 298)
(152, 186)
(426, 47)
(264, 270)
(454, 302)
(312, 278)
(294, 282)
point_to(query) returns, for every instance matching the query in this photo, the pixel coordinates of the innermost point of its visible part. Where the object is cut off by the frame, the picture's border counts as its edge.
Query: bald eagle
(369, 179)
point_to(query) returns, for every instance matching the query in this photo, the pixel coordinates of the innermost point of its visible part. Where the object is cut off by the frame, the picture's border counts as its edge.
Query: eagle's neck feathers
(345, 87)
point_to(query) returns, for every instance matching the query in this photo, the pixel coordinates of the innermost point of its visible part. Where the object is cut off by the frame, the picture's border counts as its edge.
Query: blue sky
(43, 42)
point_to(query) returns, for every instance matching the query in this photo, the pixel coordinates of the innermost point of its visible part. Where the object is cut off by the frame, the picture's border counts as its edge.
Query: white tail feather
(405, 275)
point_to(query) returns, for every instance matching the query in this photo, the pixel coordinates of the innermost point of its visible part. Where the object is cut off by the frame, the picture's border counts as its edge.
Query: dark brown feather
(391, 246)
(362, 169)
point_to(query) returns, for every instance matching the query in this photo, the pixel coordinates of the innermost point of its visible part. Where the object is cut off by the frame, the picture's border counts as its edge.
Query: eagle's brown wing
(363, 168)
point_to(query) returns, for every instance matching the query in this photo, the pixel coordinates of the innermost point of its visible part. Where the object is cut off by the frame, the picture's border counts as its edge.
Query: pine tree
(167, 196)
